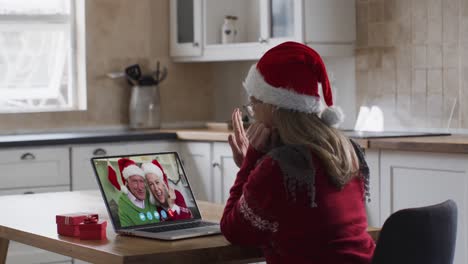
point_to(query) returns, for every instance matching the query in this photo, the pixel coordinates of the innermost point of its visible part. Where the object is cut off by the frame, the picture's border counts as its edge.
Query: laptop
(152, 204)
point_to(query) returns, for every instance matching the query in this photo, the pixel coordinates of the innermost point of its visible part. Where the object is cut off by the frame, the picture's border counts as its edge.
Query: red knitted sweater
(262, 212)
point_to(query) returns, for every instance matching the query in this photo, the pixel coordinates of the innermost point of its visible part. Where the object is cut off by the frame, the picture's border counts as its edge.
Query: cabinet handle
(28, 156)
(29, 192)
(196, 44)
(262, 40)
(215, 164)
(99, 152)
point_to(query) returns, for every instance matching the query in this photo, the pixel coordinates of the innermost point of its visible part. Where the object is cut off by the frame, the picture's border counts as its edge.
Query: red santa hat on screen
(155, 168)
(288, 75)
(112, 176)
(128, 168)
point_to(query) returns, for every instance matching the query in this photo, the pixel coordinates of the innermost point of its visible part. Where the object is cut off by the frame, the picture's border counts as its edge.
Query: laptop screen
(145, 189)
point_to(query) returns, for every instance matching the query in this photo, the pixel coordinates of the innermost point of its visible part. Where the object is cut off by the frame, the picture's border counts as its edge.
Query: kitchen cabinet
(330, 26)
(19, 253)
(34, 167)
(210, 169)
(224, 171)
(373, 205)
(196, 158)
(414, 179)
(83, 177)
(261, 24)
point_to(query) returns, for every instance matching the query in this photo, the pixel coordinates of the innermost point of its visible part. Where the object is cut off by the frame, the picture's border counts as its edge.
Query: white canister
(229, 30)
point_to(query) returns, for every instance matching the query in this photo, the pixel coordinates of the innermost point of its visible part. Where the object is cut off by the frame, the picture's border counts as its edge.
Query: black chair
(424, 235)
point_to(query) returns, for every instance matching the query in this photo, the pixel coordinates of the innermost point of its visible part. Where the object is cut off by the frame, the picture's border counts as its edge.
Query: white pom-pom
(332, 116)
(151, 199)
(124, 189)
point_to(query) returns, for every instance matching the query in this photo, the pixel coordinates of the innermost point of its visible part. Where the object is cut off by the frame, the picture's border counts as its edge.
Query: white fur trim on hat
(151, 168)
(132, 170)
(332, 116)
(256, 86)
(124, 189)
(152, 200)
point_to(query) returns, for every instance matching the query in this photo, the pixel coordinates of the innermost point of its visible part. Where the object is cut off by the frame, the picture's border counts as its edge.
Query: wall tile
(464, 95)
(464, 30)
(361, 87)
(362, 10)
(434, 56)
(419, 56)
(376, 34)
(434, 9)
(434, 31)
(451, 55)
(450, 9)
(376, 11)
(419, 30)
(464, 55)
(389, 60)
(390, 10)
(464, 7)
(403, 9)
(374, 59)
(404, 33)
(451, 95)
(362, 33)
(391, 34)
(434, 82)
(419, 96)
(419, 8)
(362, 60)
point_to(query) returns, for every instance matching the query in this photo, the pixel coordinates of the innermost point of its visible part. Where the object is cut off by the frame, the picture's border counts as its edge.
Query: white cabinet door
(83, 177)
(196, 158)
(35, 167)
(185, 27)
(19, 253)
(224, 171)
(259, 25)
(330, 21)
(413, 179)
(373, 206)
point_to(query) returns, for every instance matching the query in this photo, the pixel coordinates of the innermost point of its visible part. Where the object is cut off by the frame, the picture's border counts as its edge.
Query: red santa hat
(155, 168)
(112, 176)
(287, 76)
(128, 168)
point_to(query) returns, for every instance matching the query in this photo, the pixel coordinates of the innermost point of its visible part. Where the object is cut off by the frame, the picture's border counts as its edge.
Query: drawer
(83, 177)
(34, 167)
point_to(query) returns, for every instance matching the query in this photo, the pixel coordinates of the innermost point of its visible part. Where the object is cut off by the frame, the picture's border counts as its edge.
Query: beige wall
(120, 33)
(412, 60)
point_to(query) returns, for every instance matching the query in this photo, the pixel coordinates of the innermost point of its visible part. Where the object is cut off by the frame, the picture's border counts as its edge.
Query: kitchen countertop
(47, 139)
(444, 144)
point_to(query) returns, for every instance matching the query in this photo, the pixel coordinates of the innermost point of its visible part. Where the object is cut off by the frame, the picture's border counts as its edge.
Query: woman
(170, 203)
(299, 194)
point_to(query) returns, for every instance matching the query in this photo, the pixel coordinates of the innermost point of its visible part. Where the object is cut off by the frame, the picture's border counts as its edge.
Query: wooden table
(30, 219)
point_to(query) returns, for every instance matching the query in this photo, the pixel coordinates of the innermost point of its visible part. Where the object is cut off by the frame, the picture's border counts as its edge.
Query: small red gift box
(93, 230)
(68, 224)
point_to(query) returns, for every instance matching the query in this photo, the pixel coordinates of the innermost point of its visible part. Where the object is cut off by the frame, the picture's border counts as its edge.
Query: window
(39, 56)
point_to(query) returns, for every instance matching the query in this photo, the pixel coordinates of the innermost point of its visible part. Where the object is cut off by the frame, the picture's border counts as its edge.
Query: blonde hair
(333, 149)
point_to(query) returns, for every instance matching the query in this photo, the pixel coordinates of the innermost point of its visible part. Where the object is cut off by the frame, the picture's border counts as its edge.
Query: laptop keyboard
(177, 227)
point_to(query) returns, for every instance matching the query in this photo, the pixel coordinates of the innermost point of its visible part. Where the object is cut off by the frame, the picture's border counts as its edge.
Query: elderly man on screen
(134, 205)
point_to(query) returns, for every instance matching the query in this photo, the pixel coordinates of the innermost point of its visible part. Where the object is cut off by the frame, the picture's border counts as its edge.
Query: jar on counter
(229, 30)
